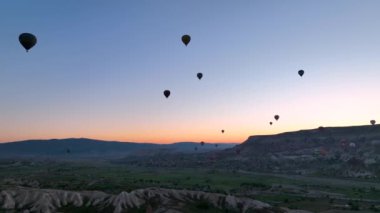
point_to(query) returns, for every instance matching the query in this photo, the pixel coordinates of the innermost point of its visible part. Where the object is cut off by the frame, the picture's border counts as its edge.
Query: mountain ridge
(109, 141)
(319, 129)
(352, 151)
(85, 147)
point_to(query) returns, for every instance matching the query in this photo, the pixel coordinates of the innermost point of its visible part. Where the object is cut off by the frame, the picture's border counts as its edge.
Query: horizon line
(174, 142)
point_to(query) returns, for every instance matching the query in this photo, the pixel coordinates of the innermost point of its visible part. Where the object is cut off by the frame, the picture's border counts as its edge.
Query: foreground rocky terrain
(142, 200)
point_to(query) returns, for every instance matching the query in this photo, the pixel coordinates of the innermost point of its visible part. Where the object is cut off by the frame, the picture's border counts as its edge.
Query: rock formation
(51, 200)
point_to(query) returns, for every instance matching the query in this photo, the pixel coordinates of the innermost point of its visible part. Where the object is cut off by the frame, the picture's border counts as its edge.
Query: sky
(99, 68)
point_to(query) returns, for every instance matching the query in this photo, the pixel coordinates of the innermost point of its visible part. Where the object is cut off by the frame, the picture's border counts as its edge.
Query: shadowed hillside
(338, 138)
(331, 151)
(337, 151)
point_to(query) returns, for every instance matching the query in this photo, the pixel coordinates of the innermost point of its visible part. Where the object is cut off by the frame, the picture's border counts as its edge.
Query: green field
(278, 190)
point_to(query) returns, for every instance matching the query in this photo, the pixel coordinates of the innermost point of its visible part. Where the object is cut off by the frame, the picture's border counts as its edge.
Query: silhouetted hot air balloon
(186, 39)
(373, 122)
(271, 123)
(196, 148)
(202, 143)
(27, 40)
(301, 72)
(167, 93)
(199, 75)
(276, 117)
(216, 145)
(222, 131)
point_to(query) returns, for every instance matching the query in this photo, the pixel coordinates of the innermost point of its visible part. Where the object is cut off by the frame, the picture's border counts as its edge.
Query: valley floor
(316, 194)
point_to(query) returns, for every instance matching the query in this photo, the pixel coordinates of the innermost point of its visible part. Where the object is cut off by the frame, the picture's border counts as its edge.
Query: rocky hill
(323, 137)
(338, 151)
(142, 200)
(332, 151)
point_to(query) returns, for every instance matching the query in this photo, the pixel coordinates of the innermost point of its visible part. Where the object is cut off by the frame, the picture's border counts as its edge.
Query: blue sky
(99, 68)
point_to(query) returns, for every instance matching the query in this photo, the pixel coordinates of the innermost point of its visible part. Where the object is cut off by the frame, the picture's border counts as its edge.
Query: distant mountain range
(84, 148)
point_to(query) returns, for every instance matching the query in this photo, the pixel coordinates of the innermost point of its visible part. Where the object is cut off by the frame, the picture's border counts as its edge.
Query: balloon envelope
(199, 75)
(276, 117)
(167, 93)
(202, 143)
(270, 123)
(373, 122)
(301, 72)
(186, 39)
(222, 130)
(27, 40)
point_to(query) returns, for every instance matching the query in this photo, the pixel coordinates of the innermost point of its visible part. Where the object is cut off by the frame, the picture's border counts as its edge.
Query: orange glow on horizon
(230, 135)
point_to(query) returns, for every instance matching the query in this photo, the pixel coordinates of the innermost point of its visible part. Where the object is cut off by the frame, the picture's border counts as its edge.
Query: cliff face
(332, 151)
(314, 138)
(150, 199)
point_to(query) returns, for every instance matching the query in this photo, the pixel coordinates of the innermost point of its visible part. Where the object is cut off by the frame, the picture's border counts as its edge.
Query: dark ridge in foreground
(142, 200)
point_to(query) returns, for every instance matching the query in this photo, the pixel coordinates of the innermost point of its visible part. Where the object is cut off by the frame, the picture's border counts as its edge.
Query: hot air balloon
(202, 143)
(196, 148)
(167, 93)
(276, 117)
(271, 123)
(301, 72)
(216, 145)
(186, 39)
(373, 122)
(27, 40)
(68, 151)
(222, 131)
(199, 75)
